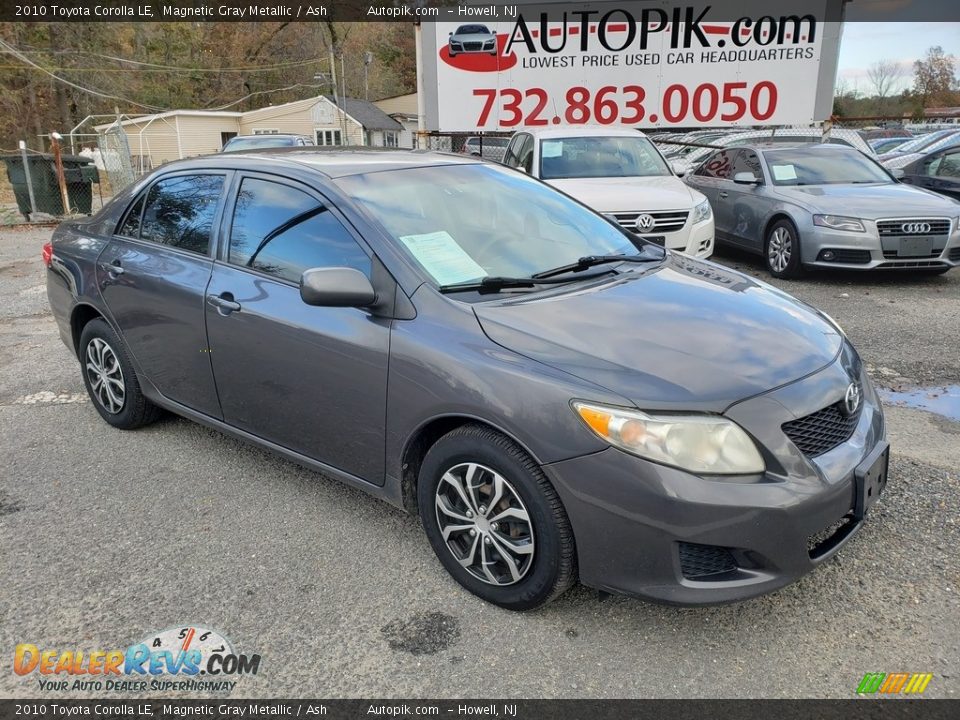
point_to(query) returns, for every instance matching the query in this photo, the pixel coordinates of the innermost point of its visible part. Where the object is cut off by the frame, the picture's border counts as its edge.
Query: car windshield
(262, 141)
(924, 141)
(462, 223)
(821, 167)
(596, 157)
(472, 30)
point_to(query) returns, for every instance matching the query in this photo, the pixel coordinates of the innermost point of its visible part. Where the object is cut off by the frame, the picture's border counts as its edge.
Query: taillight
(47, 254)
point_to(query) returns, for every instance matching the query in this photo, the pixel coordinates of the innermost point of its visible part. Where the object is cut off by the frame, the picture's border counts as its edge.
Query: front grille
(893, 254)
(849, 257)
(955, 254)
(664, 221)
(472, 46)
(902, 264)
(821, 431)
(894, 228)
(699, 561)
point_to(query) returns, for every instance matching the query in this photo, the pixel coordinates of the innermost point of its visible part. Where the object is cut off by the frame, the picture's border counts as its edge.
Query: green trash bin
(79, 173)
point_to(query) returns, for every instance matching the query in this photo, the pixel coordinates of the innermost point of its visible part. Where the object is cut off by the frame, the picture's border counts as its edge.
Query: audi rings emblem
(645, 222)
(915, 228)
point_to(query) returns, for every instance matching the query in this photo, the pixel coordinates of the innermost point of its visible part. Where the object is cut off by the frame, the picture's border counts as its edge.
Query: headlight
(702, 212)
(699, 443)
(838, 222)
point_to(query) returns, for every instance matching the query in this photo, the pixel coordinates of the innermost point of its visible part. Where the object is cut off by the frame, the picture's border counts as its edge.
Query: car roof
(583, 131)
(332, 163)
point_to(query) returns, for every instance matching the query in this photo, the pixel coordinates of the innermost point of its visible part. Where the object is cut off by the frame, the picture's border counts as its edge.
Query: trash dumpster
(78, 171)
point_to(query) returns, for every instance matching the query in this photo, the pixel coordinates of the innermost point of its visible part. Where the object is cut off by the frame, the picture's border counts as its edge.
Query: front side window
(587, 157)
(720, 165)
(746, 161)
(180, 210)
(282, 231)
(801, 166)
(466, 222)
(947, 165)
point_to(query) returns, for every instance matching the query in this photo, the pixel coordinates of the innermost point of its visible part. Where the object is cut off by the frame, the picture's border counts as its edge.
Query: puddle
(940, 399)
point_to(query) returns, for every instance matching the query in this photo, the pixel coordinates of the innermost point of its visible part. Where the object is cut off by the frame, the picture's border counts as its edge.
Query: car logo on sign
(645, 222)
(851, 401)
(915, 228)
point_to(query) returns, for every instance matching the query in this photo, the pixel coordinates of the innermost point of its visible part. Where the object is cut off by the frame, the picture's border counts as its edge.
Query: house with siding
(156, 139)
(403, 109)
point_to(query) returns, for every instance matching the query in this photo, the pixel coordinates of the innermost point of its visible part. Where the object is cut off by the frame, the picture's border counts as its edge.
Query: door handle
(723, 194)
(113, 268)
(224, 302)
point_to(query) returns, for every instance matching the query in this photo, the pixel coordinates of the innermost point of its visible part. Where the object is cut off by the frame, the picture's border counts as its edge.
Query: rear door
(311, 379)
(153, 277)
(939, 172)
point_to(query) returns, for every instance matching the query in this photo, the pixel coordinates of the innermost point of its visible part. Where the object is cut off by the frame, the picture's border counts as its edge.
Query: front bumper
(632, 518)
(695, 240)
(823, 247)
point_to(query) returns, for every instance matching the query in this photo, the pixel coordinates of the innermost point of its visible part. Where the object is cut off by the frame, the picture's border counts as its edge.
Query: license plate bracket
(660, 240)
(915, 247)
(870, 479)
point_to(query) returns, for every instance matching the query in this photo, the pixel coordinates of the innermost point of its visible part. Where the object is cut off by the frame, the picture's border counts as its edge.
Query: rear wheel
(494, 521)
(782, 250)
(110, 380)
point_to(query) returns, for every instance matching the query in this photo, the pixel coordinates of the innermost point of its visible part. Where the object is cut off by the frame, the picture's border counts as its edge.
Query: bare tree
(885, 77)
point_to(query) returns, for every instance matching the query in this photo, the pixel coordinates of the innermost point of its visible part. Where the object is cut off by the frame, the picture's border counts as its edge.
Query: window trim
(221, 257)
(217, 221)
(265, 131)
(318, 130)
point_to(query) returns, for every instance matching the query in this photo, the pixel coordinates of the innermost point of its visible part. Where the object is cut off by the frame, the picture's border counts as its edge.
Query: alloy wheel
(105, 376)
(780, 249)
(484, 523)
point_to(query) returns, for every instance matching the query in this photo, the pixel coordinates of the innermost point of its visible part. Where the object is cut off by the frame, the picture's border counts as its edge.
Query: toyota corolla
(555, 397)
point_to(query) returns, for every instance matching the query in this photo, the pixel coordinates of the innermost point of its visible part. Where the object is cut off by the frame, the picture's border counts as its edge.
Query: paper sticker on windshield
(551, 148)
(783, 172)
(443, 258)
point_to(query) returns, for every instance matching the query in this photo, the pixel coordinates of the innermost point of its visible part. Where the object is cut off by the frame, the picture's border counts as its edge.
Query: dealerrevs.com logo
(185, 658)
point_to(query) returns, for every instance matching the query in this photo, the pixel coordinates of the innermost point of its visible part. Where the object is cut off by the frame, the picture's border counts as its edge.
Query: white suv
(622, 175)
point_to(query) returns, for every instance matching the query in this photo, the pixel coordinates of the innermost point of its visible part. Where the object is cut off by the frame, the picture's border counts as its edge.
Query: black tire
(552, 569)
(783, 231)
(135, 410)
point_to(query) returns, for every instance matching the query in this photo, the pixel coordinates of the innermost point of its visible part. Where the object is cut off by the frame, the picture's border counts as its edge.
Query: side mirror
(679, 168)
(746, 178)
(450, 34)
(336, 287)
(898, 173)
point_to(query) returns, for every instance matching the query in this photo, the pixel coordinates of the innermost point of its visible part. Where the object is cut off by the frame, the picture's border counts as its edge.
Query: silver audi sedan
(819, 205)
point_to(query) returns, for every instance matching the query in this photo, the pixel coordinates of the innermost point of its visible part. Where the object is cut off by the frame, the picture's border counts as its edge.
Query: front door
(311, 379)
(153, 277)
(742, 206)
(940, 173)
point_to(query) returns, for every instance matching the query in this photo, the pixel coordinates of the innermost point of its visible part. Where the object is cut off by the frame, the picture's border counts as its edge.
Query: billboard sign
(635, 63)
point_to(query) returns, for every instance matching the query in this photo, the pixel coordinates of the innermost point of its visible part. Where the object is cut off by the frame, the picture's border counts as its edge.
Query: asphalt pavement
(107, 536)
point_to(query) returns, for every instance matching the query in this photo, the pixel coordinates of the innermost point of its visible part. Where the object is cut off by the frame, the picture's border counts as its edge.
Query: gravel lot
(107, 536)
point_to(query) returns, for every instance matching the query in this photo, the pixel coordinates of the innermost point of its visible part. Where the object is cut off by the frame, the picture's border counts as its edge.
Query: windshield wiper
(494, 284)
(589, 261)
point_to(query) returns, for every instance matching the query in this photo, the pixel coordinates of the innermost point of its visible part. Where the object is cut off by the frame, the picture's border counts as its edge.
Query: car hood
(869, 201)
(687, 335)
(633, 194)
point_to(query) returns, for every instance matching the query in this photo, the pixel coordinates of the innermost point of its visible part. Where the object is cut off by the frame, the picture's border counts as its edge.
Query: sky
(864, 43)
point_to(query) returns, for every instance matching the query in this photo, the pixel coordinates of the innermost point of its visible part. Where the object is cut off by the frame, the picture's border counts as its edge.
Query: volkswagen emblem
(915, 228)
(852, 399)
(645, 222)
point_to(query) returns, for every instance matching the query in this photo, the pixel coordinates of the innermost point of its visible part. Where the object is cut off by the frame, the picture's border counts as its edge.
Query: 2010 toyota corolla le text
(556, 398)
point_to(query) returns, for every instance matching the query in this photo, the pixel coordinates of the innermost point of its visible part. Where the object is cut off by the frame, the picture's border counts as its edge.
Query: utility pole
(367, 59)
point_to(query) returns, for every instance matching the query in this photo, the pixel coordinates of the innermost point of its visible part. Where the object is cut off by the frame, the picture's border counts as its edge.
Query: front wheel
(494, 520)
(782, 250)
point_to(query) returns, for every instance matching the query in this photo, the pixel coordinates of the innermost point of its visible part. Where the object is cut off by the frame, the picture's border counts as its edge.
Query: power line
(180, 68)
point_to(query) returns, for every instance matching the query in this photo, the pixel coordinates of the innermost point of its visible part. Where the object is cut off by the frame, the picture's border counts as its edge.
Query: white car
(622, 175)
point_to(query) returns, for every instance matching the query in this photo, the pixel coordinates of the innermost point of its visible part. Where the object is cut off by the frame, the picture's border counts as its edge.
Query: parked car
(621, 174)
(472, 39)
(555, 397)
(272, 140)
(938, 171)
(491, 148)
(906, 153)
(825, 206)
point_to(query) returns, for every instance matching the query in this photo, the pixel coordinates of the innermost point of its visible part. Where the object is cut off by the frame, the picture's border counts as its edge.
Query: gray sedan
(556, 398)
(826, 206)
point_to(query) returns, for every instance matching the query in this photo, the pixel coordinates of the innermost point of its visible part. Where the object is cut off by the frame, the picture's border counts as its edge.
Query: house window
(266, 131)
(329, 137)
(389, 139)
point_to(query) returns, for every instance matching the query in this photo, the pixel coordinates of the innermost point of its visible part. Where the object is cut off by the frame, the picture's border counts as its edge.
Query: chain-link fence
(490, 146)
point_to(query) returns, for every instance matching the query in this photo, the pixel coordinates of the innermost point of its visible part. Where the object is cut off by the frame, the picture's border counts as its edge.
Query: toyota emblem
(645, 222)
(915, 228)
(852, 399)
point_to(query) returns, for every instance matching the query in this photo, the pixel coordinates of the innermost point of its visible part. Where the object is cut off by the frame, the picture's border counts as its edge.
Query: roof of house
(368, 114)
